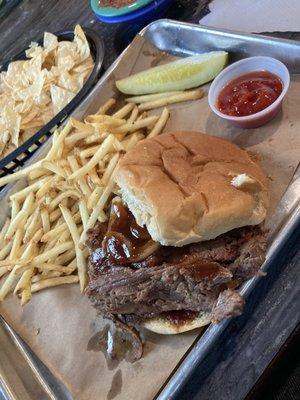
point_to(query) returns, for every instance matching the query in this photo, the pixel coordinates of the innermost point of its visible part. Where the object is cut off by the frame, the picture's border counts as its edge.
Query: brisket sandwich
(183, 234)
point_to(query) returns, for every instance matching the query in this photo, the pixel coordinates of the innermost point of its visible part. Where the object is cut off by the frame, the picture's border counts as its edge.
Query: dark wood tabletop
(244, 353)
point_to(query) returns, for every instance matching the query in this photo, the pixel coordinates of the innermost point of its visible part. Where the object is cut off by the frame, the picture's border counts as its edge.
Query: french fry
(16, 244)
(14, 261)
(4, 230)
(66, 257)
(20, 218)
(57, 144)
(118, 146)
(45, 220)
(81, 181)
(54, 233)
(110, 168)
(46, 267)
(53, 253)
(160, 124)
(63, 195)
(139, 124)
(12, 277)
(97, 138)
(53, 167)
(177, 98)
(4, 252)
(15, 208)
(54, 215)
(46, 187)
(81, 262)
(83, 212)
(104, 119)
(32, 225)
(93, 178)
(26, 292)
(89, 152)
(3, 271)
(81, 126)
(92, 201)
(124, 111)
(8, 284)
(25, 278)
(76, 137)
(19, 174)
(38, 278)
(133, 116)
(151, 97)
(37, 173)
(46, 283)
(97, 209)
(106, 106)
(132, 140)
(38, 235)
(59, 268)
(100, 153)
(21, 195)
(64, 237)
(24, 283)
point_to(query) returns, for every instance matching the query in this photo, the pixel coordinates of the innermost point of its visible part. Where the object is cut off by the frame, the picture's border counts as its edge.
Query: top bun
(187, 187)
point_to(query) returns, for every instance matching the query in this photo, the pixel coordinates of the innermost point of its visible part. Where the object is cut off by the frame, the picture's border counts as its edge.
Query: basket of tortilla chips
(40, 87)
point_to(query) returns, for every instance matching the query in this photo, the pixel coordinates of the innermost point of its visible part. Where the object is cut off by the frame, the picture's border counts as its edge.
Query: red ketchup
(249, 93)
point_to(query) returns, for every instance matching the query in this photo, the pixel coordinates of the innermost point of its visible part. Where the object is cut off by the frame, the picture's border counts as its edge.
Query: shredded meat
(191, 277)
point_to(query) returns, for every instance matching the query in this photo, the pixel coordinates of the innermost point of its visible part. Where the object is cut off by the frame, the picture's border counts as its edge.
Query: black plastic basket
(18, 157)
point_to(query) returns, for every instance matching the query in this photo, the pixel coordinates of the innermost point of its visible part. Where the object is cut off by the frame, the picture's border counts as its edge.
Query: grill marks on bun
(179, 185)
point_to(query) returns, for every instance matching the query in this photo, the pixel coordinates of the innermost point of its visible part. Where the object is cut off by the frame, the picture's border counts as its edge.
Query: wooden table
(256, 337)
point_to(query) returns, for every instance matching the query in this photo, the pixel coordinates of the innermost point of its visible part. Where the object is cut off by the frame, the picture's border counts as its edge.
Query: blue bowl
(150, 12)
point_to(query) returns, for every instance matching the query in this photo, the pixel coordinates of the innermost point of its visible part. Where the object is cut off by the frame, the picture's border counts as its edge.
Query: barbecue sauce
(202, 269)
(249, 93)
(125, 240)
(179, 317)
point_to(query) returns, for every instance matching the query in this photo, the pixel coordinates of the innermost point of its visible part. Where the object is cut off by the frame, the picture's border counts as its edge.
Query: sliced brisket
(194, 277)
(229, 304)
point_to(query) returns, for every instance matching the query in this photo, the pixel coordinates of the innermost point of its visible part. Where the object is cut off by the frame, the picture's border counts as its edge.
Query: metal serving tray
(179, 39)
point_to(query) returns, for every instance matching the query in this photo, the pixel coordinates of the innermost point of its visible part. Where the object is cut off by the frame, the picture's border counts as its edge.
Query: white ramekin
(242, 67)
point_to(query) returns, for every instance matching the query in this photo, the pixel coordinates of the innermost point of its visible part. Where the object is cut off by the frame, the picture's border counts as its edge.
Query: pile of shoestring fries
(42, 243)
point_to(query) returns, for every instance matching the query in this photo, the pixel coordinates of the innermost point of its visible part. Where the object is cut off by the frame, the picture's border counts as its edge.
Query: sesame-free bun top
(187, 187)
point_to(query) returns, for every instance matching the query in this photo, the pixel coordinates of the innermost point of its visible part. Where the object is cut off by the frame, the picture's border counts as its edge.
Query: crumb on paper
(37, 331)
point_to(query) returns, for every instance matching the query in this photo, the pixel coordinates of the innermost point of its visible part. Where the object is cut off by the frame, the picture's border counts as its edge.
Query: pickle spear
(182, 74)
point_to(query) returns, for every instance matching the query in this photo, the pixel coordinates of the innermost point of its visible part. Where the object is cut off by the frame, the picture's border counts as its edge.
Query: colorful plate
(156, 9)
(116, 12)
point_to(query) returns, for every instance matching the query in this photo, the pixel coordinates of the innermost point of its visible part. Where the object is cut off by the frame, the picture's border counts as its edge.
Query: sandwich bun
(163, 326)
(187, 187)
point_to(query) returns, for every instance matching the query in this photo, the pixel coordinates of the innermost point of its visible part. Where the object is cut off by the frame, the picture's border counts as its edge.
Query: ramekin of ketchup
(249, 93)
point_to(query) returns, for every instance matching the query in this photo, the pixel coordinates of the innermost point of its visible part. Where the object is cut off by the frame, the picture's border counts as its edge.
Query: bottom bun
(164, 327)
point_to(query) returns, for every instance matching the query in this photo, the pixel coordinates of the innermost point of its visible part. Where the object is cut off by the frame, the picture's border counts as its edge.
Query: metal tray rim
(195, 355)
(217, 31)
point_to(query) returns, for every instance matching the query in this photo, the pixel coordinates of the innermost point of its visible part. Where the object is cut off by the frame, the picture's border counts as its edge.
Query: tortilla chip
(11, 121)
(81, 42)
(60, 98)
